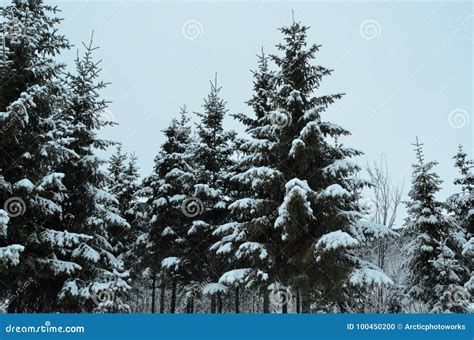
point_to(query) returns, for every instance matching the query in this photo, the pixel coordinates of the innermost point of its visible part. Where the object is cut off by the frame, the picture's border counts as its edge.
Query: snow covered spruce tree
(122, 183)
(206, 208)
(435, 272)
(246, 239)
(461, 205)
(123, 179)
(167, 188)
(33, 130)
(297, 167)
(88, 208)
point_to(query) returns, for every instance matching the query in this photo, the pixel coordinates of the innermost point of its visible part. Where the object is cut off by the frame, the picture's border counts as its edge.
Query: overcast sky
(406, 68)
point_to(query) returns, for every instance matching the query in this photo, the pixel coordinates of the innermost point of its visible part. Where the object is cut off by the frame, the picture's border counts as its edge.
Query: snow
(86, 252)
(248, 248)
(167, 232)
(257, 176)
(206, 190)
(341, 166)
(234, 277)
(297, 145)
(196, 226)
(4, 219)
(25, 183)
(62, 267)
(10, 255)
(52, 180)
(376, 230)
(369, 276)
(334, 191)
(247, 203)
(211, 289)
(335, 240)
(171, 262)
(295, 189)
(311, 128)
(62, 239)
(104, 196)
(226, 248)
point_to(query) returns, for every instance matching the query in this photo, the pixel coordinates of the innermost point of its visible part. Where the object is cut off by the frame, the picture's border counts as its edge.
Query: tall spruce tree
(33, 146)
(461, 205)
(166, 189)
(248, 236)
(89, 207)
(206, 209)
(306, 177)
(435, 273)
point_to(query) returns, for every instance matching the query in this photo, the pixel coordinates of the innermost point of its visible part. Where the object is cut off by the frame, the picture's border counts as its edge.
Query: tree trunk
(173, 297)
(284, 307)
(219, 303)
(153, 294)
(237, 300)
(189, 305)
(162, 298)
(298, 298)
(213, 304)
(305, 301)
(266, 300)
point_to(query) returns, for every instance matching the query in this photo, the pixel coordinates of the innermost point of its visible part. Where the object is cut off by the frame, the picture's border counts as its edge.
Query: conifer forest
(284, 217)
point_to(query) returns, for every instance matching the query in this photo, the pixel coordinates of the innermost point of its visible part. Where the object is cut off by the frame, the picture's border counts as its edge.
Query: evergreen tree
(462, 206)
(246, 239)
(89, 207)
(434, 269)
(207, 206)
(165, 191)
(34, 145)
(299, 170)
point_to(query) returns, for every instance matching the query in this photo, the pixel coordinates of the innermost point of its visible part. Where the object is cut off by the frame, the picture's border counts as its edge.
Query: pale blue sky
(403, 83)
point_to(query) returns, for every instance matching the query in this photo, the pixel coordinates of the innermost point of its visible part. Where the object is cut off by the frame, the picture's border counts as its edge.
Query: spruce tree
(165, 191)
(248, 236)
(89, 208)
(34, 145)
(434, 269)
(462, 206)
(206, 210)
(306, 178)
